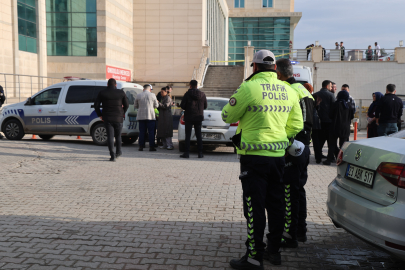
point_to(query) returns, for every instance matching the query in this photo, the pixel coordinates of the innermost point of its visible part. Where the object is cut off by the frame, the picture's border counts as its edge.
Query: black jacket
(324, 108)
(194, 103)
(389, 109)
(341, 119)
(115, 104)
(2, 96)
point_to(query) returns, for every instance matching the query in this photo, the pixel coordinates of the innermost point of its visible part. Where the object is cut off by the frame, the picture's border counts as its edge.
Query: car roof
(120, 84)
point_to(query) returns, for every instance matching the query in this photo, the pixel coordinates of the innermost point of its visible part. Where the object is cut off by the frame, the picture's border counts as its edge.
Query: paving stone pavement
(63, 205)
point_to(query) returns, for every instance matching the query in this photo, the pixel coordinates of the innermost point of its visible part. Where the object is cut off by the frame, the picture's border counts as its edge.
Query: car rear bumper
(369, 221)
(226, 137)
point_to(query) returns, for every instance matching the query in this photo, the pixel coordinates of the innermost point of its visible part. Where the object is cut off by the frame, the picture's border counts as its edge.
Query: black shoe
(246, 263)
(273, 258)
(302, 238)
(113, 158)
(152, 149)
(118, 155)
(200, 155)
(289, 243)
(327, 162)
(318, 161)
(140, 149)
(324, 157)
(184, 155)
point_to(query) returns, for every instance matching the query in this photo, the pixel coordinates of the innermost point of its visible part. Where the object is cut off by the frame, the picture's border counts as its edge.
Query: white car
(388, 57)
(214, 130)
(67, 109)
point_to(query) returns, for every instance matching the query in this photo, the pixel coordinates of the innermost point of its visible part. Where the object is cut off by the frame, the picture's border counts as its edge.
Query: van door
(74, 110)
(42, 113)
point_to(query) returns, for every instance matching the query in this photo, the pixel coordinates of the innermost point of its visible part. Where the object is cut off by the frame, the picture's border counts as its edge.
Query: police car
(67, 108)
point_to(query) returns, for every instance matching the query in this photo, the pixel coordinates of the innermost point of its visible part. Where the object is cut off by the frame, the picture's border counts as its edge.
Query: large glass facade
(270, 33)
(27, 25)
(71, 27)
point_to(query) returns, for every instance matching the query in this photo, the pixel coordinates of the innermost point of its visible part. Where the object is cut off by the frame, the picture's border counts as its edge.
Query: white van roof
(120, 84)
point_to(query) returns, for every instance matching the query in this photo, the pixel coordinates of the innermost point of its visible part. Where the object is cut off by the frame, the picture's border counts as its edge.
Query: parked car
(214, 130)
(367, 197)
(67, 109)
(388, 57)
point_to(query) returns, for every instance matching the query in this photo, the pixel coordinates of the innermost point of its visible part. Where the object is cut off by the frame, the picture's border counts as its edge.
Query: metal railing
(348, 55)
(17, 86)
(199, 72)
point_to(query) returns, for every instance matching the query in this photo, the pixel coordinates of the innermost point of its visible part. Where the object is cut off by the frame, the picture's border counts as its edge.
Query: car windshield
(399, 134)
(216, 104)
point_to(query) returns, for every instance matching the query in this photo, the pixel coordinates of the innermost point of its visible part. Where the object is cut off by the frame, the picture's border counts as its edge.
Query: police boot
(289, 243)
(247, 263)
(273, 258)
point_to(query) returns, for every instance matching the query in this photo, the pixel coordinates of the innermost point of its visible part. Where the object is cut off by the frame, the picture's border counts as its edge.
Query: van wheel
(182, 146)
(99, 134)
(46, 137)
(129, 140)
(14, 130)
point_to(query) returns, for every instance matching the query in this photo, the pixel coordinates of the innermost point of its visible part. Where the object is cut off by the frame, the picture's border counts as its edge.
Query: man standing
(309, 48)
(388, 111)
(334, 88)
(296, 168)
(115, 104)
(337, 46)
(325, 135)
(194, 103)
(377, 51)
(146, 103)
(269, 117)
(352, 103)
(342, 51)
(2, 99)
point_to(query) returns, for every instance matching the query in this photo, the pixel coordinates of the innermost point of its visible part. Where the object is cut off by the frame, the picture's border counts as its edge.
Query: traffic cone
(33, 137)
(79, 138)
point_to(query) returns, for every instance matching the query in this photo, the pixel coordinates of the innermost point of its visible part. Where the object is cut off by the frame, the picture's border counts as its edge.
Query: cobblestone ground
(64, 206)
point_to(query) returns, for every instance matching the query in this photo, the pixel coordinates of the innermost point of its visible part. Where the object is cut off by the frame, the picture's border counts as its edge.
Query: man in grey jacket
(146, 103)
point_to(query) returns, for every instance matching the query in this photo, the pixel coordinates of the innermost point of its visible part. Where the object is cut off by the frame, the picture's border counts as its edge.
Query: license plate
(363, 176)
(212, 136)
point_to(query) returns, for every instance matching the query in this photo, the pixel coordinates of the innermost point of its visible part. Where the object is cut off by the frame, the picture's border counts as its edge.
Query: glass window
(267, 3)
(71, 27)
(216, 105)
(48, 97)
(239, 3)
(80, 94)
(27, 26)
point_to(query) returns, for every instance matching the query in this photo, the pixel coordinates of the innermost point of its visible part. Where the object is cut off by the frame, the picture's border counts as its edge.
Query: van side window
(80, 94)
(48, 97)
(97, 90)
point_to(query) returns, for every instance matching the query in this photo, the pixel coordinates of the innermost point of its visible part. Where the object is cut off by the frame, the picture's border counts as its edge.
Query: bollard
(79, 138)
(33, 137)
(355, 131)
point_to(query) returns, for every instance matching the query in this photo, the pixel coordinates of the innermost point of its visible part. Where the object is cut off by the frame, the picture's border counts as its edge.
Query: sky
(358, 23)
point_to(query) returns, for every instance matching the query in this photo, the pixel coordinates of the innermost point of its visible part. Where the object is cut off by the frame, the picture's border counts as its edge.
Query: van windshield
(131, 94)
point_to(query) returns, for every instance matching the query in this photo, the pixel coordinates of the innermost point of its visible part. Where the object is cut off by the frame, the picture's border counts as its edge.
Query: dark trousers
(316, 142)
(197, 131)
(385, 129)
(262, 186)
(342, 140)
(326, 135)
(294, 179)
(150, 126)
(114, 130)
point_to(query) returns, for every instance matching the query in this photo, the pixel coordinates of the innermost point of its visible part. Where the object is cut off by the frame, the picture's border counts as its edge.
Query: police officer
(269, 115)
(2, 99)
(296, 169)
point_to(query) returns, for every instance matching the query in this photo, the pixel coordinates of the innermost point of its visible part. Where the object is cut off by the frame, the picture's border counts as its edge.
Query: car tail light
(393, 173)
(182, 120)
(235, 124)
(339, 159)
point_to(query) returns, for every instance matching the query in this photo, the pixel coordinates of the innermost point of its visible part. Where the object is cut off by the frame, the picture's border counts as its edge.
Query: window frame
(24, 22)
(43, 92)
(239, 3)
(267, 4)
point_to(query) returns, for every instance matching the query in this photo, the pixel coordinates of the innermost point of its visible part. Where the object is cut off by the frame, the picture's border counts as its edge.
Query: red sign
(118, 74)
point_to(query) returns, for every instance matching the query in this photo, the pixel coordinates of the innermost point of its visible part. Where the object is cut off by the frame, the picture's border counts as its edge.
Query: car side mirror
(29, 101)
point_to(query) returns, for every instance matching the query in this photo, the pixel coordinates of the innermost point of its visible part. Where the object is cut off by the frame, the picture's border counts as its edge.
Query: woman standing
(372, 125)
(165, 123)
(369, 53)
(341, 114)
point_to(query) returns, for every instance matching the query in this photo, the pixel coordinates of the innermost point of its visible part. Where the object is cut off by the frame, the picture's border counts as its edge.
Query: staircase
(222, 81)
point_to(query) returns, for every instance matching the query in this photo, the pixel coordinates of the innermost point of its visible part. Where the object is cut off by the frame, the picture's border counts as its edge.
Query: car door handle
(52, 111)
(63, 111)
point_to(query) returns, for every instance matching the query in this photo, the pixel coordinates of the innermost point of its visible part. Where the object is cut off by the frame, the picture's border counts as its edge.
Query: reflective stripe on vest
(265, 146)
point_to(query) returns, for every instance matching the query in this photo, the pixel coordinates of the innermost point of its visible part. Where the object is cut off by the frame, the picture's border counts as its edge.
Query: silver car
(367, 197)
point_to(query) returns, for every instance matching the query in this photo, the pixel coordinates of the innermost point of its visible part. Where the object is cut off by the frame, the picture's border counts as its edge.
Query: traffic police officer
(269, 115)
(295, 171)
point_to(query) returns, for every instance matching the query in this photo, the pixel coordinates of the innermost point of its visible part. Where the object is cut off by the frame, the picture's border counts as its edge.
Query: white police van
(67, 108)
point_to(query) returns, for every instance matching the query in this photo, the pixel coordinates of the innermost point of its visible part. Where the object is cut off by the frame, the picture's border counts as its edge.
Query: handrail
(205, 73)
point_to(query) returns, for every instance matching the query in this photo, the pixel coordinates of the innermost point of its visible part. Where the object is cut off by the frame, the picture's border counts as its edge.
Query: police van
(67, 108)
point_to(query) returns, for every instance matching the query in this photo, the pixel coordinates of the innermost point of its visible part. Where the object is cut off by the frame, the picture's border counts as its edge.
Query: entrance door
(41, 115)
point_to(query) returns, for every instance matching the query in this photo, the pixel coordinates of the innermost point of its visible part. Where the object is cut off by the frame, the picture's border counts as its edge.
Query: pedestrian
(309, 48)
(296, 169)
(352, 103)
(316, 130)
(341, 114)
(389, 110)
(159, 99)
(309, 87)
(342, 51)
(165, 124)
(377, 51)
(323, 52)
(261, 140)
(334, 88)
(146, 103)
(194, 103)
(2, 100)
(369, 53)
(337, 46)
(115, 104)
(372, 125)
(324, 109)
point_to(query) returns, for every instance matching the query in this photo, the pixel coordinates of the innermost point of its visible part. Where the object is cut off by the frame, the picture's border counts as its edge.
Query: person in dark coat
(341, 114)
(388, 112)
(194, 103)
(115, 104)
(372, 125)
(316, 130)
(2, 99)
(165, 123)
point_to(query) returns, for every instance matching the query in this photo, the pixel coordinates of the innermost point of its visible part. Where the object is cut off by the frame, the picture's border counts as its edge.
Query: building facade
(139, 40)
